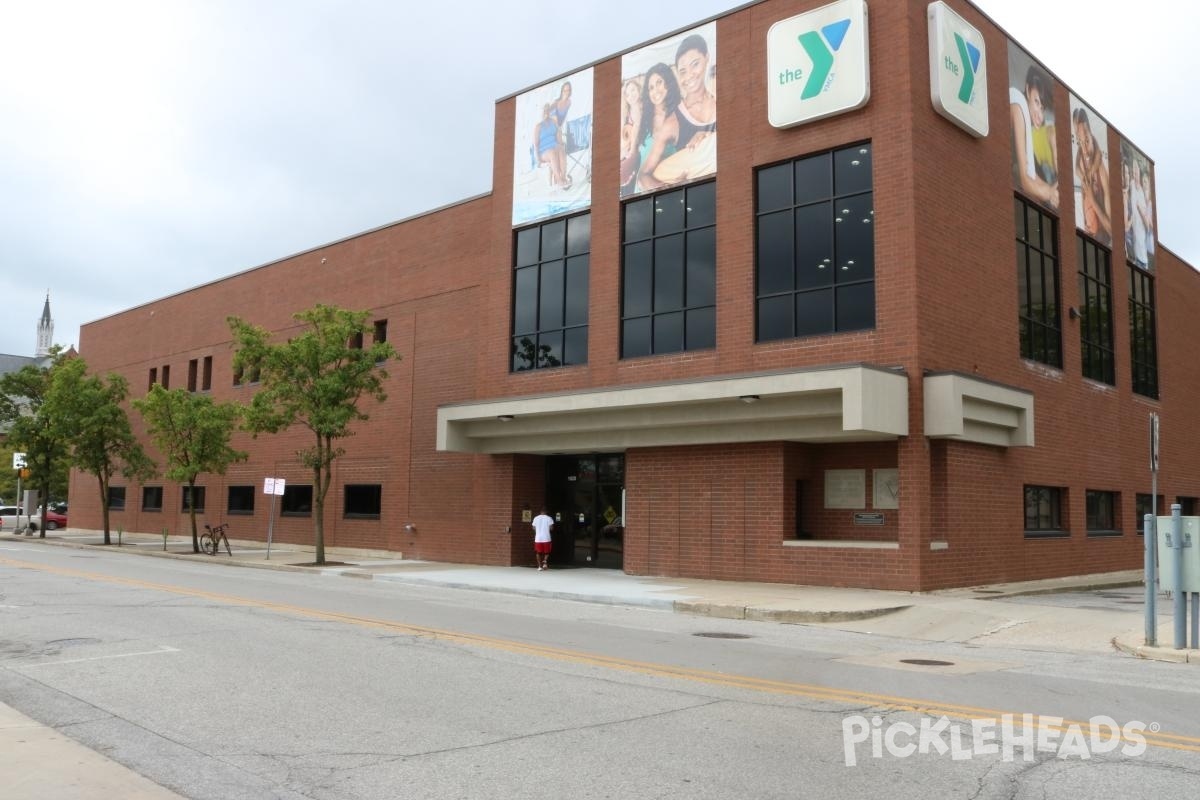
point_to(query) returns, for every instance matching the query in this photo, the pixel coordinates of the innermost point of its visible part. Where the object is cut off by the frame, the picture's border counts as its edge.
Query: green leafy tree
(192, 432)
(315, 379)
(32, 429)
(91, 414)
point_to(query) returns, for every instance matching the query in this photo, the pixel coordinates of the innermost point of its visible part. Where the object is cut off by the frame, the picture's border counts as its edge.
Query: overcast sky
(148, 147)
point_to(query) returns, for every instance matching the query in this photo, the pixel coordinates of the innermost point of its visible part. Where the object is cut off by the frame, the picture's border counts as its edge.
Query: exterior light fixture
(749, 398)
(505, 417)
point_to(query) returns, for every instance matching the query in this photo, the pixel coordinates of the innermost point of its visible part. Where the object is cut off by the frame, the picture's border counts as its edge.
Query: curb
(1162, 654)
(779, 615)
(609, 600)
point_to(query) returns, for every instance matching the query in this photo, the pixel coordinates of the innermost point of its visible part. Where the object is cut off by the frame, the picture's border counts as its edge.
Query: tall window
(1043, 511)
(206, 376)
(193, 373)
(815, 252)
(1037, 283)
(1095, 313)
(166, 376)
(550, 294)
(669, 286)
(1142, 333)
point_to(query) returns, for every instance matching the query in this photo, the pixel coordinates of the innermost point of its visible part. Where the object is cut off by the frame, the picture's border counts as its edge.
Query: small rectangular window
(193, 373)
(190, 492)
(153, 378)
(116, 498)
(1143, 507)
(166, 376)
(1043, 511)
(239, 375)
(206, 377)
(241, 500)
(356, 341)
(1102, 513)
(363, 501)
(380, 331)
(152, 497)
(297, 500)
(1187, 506)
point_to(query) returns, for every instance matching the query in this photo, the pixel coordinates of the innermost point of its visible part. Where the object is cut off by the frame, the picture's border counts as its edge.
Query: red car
(52, 520)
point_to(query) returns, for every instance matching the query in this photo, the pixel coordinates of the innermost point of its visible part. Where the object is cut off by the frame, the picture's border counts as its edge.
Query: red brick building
(855, 343)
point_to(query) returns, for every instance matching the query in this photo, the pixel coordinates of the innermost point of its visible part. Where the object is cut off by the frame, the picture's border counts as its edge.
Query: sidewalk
(1091, 613)
(1095, 613)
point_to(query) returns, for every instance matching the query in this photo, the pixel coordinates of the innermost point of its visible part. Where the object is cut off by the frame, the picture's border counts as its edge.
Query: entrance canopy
(856, 403)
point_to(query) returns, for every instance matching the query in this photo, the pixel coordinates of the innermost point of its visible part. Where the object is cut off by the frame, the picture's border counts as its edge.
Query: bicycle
(210, 540)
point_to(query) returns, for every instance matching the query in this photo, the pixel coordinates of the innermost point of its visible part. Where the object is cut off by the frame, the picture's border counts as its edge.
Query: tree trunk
(45, 490)
(104, 507)
(192, 514)
(318, 514)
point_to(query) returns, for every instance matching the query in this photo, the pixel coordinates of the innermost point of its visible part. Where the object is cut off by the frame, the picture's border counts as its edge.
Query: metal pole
(17, 529)
(1180, 610)
(1151, 589)
(1195, 620)
(270, 526)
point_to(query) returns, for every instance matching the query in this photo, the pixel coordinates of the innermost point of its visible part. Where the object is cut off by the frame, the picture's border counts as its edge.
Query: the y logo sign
(821, 54)
(957, 70)
(970, 56)
(824, 54)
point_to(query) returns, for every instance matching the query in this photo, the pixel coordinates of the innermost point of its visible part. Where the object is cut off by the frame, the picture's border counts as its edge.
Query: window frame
(1033, 329)
(1143, 332)
(1057, 528)
(185, 498)
(527, 344)
(116, 498)
(289, 499)
(378, 505)
(834, 285)
(692, 337)
(1096, 352)
(152, 509)
(1094, 518)
(242, 489)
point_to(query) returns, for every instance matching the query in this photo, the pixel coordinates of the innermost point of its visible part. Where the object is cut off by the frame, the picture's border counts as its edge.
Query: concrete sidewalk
(1094, 614)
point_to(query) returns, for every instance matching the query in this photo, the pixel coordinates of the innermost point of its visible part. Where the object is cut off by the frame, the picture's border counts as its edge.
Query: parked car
(8, 519)
(54, 520)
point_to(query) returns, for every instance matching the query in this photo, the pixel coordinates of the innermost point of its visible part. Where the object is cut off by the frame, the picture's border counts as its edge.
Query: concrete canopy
(855, 403)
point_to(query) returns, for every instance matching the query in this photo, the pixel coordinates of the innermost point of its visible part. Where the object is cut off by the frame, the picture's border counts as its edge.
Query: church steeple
(45, 330)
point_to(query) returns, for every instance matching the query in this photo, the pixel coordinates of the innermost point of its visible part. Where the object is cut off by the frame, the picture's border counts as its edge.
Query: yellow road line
(811, 691)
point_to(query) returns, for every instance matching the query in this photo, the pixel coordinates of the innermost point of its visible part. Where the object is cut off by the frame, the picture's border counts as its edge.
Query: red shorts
(541, 547)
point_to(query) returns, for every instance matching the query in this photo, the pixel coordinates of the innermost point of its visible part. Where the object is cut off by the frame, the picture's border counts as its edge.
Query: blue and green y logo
(820, 47)
(969, 55)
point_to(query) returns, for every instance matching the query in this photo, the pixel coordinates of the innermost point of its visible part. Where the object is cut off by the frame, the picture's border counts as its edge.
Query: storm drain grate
(722, 635)
(926, 662)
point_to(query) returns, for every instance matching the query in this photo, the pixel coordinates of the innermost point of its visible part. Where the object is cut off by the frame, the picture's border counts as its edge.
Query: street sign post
(1150, 534)
(273, 487)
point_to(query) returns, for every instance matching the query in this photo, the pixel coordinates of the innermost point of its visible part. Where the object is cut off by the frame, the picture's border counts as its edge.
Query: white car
(8, 519)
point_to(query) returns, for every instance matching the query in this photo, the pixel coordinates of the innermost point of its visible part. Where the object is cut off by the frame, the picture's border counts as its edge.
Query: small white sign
(818, 64)
(846, 488)
(957, 70)
(273, 485)
(19, 461)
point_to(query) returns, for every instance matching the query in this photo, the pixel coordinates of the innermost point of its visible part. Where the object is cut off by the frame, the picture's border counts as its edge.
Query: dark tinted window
(1095, 311)
(815, 245)
(297, 500)
(1037, 284)
(240, 500)
(550, 294)
(152, 498)
(363, 500)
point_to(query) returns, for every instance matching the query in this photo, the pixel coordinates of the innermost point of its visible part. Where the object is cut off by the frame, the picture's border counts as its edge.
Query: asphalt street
(225, 683)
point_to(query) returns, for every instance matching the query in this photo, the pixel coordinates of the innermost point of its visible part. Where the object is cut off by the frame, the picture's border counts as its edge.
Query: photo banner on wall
(552, 149)
(1089, 161)
(669, 112)
(1137, 193)
(1032, 121)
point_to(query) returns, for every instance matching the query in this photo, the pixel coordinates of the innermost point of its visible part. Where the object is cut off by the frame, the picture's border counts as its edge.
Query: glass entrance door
(584, 495)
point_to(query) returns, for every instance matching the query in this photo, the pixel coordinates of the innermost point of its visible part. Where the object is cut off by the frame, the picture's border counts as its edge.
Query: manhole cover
(721, 635)
(926, 662)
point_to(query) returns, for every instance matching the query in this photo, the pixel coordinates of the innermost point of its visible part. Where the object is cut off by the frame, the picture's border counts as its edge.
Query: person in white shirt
(542, 524)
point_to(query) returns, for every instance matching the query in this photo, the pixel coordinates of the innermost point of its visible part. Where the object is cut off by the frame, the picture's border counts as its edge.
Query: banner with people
(552, 149)
(1137, 193)
(669, 112)
(1089, 159)
(1032, 119)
